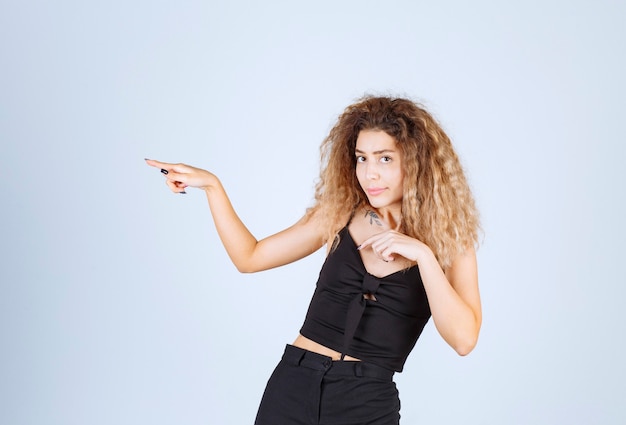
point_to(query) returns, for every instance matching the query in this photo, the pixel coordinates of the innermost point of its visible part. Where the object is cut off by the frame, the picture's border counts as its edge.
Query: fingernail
(146, 159)
(358, 247)
(163, 170)
(183, 192)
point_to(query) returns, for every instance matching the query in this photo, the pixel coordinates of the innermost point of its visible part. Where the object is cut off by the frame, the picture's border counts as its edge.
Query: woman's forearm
(238, 241)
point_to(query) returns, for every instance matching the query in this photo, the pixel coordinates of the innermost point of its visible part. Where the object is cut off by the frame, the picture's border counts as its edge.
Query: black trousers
(307, 388)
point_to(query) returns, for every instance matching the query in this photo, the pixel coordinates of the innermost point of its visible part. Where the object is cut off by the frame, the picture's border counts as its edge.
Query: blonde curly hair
(437, 205)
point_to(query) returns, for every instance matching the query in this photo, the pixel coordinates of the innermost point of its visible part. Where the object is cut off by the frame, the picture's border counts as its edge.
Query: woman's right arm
(246, 252)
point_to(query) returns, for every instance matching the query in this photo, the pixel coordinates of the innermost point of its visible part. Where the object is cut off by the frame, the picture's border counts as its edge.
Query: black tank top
(343, 317)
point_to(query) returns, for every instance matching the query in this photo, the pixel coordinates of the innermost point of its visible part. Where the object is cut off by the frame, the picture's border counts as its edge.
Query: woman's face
(379, 168)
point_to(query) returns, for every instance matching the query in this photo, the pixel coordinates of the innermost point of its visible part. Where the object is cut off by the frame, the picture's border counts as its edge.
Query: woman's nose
(371, 172)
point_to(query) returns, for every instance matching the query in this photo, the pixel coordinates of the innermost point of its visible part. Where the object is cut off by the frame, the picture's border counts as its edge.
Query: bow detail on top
(356, 308)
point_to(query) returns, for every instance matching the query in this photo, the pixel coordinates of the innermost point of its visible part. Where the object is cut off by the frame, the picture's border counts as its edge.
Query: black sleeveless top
(382, 329)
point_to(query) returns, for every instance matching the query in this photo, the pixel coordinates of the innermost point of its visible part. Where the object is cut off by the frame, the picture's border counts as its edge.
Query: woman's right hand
(180, 176)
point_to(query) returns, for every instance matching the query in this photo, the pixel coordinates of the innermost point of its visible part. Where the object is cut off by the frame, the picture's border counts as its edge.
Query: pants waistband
(299, 357)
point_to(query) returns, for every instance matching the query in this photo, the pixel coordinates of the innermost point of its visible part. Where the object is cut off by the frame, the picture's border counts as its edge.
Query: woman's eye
(360, 159)
(385, 159)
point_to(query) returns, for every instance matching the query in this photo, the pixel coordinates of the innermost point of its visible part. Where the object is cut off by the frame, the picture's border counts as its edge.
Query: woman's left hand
(389, 244)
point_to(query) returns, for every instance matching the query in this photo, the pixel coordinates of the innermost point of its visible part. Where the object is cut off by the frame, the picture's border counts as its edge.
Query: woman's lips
(373, 191)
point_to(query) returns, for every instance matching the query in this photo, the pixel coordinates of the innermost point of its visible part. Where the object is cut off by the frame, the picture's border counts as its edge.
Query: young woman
(398, 219)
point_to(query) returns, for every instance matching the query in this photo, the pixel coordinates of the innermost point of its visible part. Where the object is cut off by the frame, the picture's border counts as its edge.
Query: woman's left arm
(453, 296)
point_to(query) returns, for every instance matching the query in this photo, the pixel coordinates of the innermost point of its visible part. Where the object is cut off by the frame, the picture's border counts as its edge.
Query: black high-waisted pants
(307, 388)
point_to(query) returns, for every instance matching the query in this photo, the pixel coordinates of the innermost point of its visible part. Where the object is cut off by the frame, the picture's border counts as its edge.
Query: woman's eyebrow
(377, 152)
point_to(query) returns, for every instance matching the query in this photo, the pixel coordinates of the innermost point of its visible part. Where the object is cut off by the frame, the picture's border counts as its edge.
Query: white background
(118, 304)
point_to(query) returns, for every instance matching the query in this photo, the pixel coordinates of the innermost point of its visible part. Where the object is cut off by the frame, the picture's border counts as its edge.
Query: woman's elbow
(464, 350)
(245, 268)
(465, 345)
(249, 266)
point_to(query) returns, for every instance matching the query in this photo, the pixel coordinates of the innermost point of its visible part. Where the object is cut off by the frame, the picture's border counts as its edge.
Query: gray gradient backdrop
(118, 304)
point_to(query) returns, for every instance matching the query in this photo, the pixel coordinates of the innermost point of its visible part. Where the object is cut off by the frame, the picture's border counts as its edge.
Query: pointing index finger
(158, 164)
(367, 242)
(372, 240)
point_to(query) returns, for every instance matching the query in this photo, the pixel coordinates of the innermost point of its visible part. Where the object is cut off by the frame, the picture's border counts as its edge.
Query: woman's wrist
(212, 183)
(424, 254)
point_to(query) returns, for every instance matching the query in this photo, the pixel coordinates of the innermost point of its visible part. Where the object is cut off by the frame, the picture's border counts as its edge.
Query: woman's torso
(361, 227)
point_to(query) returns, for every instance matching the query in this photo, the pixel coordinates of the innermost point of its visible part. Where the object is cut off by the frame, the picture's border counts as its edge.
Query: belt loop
(300, 357)
(358, 369)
